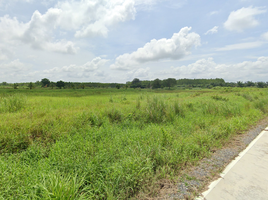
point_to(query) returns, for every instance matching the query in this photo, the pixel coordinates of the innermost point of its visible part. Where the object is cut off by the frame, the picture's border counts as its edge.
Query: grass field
(113, 144)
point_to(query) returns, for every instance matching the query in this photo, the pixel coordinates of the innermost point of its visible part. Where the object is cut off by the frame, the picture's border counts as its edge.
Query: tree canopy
(60, 84)
(45, 82)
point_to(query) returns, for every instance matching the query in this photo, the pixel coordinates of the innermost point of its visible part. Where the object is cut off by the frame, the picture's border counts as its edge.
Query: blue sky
(119, 40)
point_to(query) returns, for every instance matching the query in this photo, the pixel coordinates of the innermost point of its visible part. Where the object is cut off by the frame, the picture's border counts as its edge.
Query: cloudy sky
(118, 40)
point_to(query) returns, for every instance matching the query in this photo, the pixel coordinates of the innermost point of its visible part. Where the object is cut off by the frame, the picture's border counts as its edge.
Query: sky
(119, 40)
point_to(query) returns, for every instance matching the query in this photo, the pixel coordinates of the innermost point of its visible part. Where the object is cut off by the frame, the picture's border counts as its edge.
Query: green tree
(261, 84)
(31, 85)
(170, 82)
(15, 86)
(135, 83)
(72, 86)
(45, 82)
(157, 83)
(249, 84)
(60, 84)
(240, 84)
(52, 84)
(117, 86)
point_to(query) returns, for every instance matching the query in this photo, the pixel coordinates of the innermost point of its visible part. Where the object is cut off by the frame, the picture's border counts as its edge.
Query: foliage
(157, 83)
(15, 86)
(117, 86)
(52, 85)
(135, 83)
(240, 84)
(31, 85)
(45, 82)
(12, 103)
(112, 144)
(261, 84)
(170, 82)
(60, 84)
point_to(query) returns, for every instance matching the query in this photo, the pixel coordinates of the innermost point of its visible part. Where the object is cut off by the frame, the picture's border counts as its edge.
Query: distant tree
(15, 86)
(117, 86)
(240, 84)
(72, 85)
(4, 83)
(126, 86)
(60, 84)
(52, 84)
(135, 83)
(31, 85)
(45, 82)
(37, 83)
(83, 86)
(170, 82)
(156, 83)
(261, 84)
(249, 84)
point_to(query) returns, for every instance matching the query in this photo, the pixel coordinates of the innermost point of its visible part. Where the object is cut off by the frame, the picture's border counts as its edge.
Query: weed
(114, 115)
(12, 103)
(219, 98)
(247, 97)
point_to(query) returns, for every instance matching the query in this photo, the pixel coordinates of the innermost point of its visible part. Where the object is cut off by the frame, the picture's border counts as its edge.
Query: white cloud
(94, 17)
(13, 65)
(14, 70)
(246, 45)
(212, 31)
(265, 36)
(139, 73)
(243, 18)
(38, 33)
(208, 68)
(90, 66)
(3, 56)
(214, 12)
(177, 47)
(85, 18)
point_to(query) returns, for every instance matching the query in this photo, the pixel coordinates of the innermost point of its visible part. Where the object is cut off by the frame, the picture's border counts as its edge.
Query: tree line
(137, 83)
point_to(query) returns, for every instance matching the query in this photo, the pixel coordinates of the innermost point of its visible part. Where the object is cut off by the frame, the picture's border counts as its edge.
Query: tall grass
(87, 147)
(12, 103)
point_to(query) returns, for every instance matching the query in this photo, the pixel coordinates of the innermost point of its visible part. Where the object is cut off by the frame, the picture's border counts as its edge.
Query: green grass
(113, 144)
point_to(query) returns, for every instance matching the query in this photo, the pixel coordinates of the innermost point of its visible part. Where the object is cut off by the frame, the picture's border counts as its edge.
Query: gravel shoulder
(196, 179)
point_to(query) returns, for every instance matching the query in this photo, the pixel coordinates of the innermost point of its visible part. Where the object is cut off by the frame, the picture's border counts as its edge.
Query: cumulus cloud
(85, 18)
(79, 70)
(243, 18)
(177, 47)
(38, 33)
(13, 70)
(212, 31)
(13, 65)
(94, 17)
(208, 68)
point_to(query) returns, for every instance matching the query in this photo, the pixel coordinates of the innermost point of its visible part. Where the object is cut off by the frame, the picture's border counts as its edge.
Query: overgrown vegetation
(113, 144)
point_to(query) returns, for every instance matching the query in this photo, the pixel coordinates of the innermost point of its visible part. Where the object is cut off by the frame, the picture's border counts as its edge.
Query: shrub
(114, 115)
(12, 103)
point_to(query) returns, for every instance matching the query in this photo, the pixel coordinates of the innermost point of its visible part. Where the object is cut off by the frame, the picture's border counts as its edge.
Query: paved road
(246, 178)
